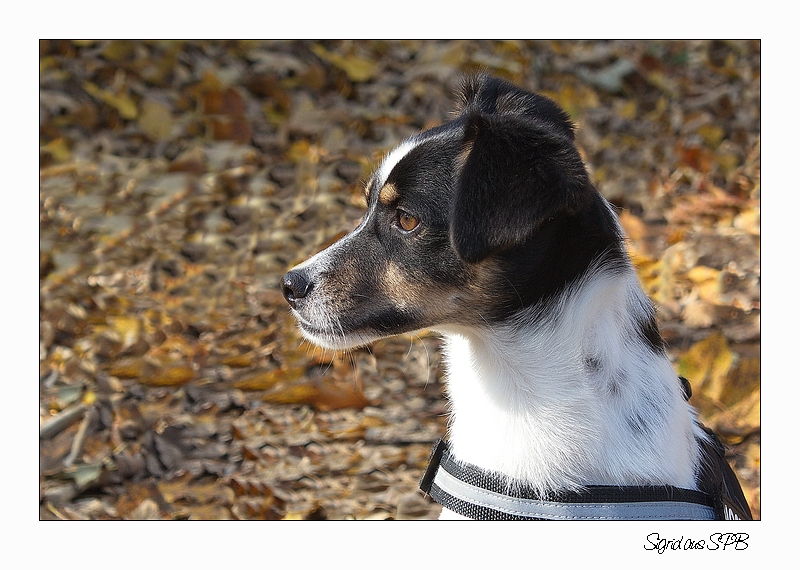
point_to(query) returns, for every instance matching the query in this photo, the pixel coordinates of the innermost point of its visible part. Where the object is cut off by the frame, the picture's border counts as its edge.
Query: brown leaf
(223, 102)
(208, 512)
(214, 492)
(135, 494)
(268, 379)
(233, 128)
(294, 394)
(329, 398)
(131, 368)
(191, 160)
(323, 398)
(239, 360)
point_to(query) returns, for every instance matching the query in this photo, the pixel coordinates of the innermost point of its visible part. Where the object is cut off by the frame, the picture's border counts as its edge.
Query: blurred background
(179, 180)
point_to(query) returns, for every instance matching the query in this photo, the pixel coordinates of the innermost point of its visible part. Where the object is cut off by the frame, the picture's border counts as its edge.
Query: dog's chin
(332, 338)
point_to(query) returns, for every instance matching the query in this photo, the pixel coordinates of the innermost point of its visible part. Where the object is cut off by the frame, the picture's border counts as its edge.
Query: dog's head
(466, 224)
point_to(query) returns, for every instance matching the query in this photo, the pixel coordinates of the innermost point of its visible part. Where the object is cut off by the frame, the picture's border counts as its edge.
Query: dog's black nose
(295, 285)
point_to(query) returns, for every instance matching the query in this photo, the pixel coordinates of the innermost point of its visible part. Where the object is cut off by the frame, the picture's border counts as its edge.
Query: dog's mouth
(331, 335)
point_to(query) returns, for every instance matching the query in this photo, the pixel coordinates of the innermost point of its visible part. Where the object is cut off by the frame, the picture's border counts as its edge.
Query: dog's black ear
(518, 168)
(487, 95)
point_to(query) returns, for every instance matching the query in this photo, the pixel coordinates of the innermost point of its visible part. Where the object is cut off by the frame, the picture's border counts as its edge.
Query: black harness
(479, 494)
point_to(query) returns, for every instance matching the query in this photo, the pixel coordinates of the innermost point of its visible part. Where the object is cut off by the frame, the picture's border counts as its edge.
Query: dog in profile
(488, 230)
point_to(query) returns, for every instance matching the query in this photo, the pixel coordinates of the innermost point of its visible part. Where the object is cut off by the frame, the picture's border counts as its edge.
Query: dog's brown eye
(407, 221)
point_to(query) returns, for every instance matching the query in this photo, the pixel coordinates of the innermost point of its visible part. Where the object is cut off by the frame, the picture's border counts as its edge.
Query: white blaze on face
(391, 160)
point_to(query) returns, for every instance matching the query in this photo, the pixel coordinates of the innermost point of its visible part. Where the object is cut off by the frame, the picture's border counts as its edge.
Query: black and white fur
(556, 372)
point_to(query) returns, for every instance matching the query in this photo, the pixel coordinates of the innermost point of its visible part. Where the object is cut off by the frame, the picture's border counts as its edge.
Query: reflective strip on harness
(479, 494)
(548, 510)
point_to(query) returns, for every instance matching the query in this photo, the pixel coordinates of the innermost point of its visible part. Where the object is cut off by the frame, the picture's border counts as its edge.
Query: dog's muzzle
(295, 285)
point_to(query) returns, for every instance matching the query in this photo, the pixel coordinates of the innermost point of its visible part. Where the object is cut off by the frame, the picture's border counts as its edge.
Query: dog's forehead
(391, 160)
(381, 174)
(441, 134)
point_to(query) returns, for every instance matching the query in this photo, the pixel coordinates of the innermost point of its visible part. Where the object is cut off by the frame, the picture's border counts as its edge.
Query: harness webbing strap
(479, 494)
(718, 480)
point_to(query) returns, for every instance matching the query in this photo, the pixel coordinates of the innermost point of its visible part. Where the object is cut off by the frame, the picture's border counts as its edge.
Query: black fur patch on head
(556, 254)
(520, 169)
(485, 95)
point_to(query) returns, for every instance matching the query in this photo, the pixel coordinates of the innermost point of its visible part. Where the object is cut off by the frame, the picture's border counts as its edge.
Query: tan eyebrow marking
(388, 194)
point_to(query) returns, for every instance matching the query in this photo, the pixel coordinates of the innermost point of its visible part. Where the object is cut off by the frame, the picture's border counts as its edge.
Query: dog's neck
(577, 399)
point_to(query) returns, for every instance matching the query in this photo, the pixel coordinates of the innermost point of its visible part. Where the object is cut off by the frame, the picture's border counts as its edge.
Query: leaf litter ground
(180, 180)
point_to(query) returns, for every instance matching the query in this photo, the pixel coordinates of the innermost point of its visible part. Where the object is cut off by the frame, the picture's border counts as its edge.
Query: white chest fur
(577, 399)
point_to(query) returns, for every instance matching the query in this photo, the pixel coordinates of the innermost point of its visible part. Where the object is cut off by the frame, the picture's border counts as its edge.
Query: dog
(488, 231)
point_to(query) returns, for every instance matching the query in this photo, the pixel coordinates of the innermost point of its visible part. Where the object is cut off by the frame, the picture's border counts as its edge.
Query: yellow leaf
(652, 275)
(702, 273)
(122, 102)
(745, 415)
(707, 280)
(742, 394)
(727, 389)
(574, 99)
(155, 120)
(174, 375)
(749, 220)
(128, 328)
(118, 50)
(92, 89)
(711, 134)
(58, 149)
(628, 110)
(177, 343)
(727, 162)
(358, 69)
(706, 365)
